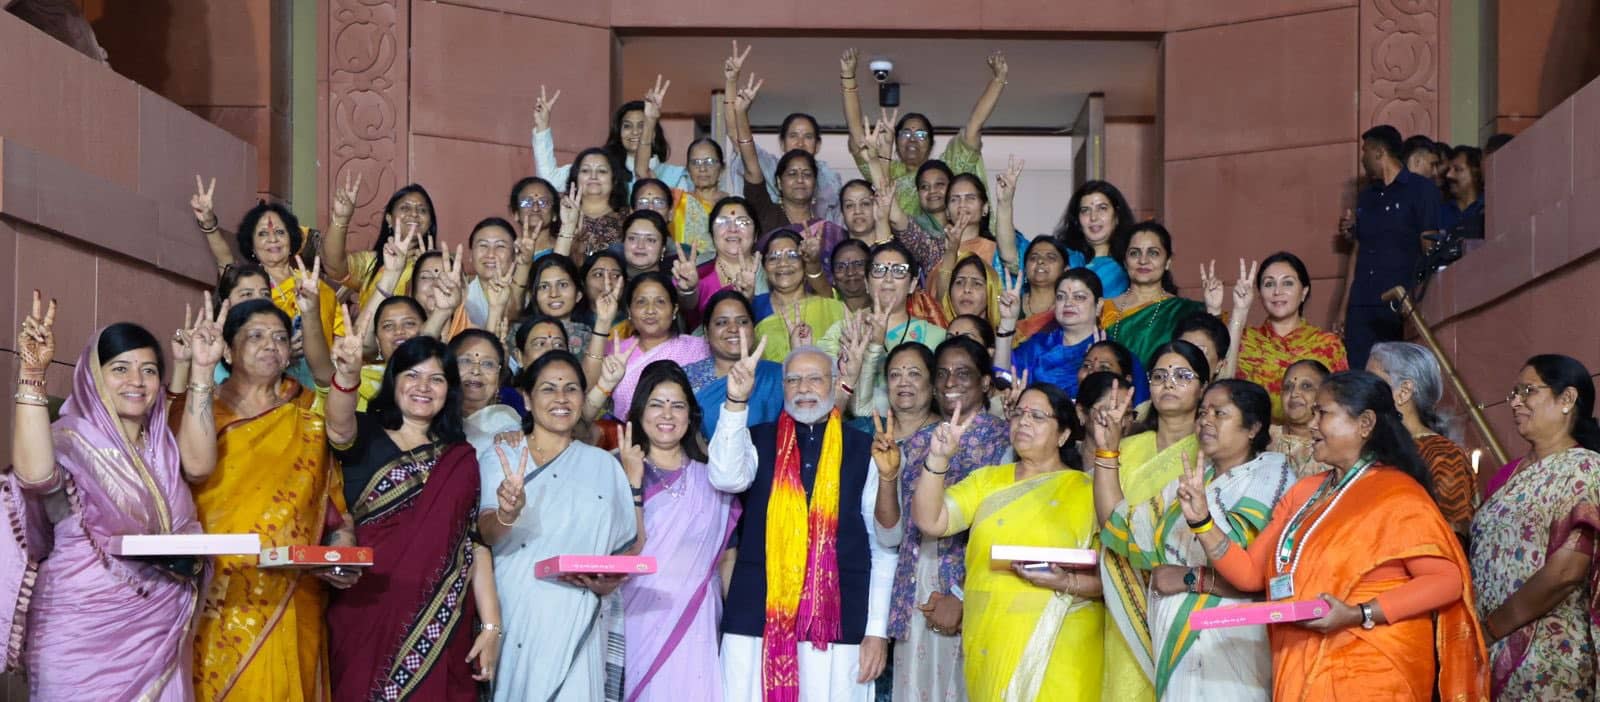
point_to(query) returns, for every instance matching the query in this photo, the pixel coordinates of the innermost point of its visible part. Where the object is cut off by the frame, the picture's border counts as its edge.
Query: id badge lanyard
(1291, 544)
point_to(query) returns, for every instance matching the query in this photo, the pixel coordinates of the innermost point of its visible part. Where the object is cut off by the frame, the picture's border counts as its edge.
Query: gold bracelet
(201, 387)
(1102, 453)
(23, 398)
(502, 521)
(1203, 528)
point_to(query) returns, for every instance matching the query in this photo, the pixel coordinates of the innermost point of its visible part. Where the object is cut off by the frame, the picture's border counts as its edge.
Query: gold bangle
(23, 398)
(1203, 528)
(1102, 453)
(502, 521)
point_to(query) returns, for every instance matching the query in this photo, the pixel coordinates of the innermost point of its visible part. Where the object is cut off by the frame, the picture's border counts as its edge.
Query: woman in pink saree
(84, 623)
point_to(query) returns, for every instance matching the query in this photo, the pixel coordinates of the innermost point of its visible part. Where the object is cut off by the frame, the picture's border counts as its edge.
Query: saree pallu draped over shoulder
(1022, 642)
(261, 631)
(86, 624)
(402, 632)
(1392, 661)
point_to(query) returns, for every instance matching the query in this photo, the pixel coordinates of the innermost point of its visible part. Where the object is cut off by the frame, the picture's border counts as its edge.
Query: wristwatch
(1366, 616)
(1189, 580)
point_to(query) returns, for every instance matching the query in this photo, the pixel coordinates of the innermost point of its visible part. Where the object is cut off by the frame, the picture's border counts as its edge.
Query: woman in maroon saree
(403, 629)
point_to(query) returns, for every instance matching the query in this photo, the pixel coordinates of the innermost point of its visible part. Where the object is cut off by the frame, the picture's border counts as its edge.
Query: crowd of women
(548, 387)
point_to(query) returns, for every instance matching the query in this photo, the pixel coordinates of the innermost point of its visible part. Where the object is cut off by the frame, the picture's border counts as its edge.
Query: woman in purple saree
(672, 616)
(84, 623)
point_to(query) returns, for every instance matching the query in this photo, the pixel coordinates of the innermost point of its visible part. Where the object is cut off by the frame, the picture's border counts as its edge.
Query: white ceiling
(1048, 79)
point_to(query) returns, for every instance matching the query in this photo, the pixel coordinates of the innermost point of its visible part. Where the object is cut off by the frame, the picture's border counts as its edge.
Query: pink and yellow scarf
(802, 560)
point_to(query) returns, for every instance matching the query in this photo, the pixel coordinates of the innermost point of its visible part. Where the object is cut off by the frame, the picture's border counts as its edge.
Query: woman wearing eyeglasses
(789, 312)
(1533, 557)
(925, 608)
(913, 135)
(734, 227)
(1134, 470)
(1025, 634)
(536, 208)
(892, 279)
(690, 209)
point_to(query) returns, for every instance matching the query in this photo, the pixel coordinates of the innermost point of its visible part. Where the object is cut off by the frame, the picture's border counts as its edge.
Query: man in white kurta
(742, 460)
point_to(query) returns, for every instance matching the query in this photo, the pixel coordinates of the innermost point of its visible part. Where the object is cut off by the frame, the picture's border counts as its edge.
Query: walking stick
(1398, 296)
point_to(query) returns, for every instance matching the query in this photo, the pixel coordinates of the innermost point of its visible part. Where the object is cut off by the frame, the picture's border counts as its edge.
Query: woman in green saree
(1144, 316)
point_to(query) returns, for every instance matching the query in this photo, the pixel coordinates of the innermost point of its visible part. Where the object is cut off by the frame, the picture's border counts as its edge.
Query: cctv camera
(881, 68)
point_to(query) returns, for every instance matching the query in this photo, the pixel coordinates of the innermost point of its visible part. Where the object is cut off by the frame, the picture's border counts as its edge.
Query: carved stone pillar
(1400, 66)
(366, 120)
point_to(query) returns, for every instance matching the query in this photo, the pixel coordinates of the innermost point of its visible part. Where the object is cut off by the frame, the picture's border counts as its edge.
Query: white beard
(823, 408)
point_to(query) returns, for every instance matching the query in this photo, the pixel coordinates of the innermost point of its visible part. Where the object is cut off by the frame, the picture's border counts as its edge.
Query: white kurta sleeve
(544, 160)
(883, 563)
(733, 456)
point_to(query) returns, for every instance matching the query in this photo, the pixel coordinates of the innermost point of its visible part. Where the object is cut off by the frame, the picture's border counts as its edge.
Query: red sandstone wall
(1546, 51)
(1531, 288)
(95, 176)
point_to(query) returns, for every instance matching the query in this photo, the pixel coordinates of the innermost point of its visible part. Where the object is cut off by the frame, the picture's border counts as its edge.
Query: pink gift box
(1001, 557)
(595, 565)
(1258, 613)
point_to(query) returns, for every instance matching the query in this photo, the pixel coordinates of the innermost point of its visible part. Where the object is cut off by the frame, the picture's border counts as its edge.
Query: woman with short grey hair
(1413, 374)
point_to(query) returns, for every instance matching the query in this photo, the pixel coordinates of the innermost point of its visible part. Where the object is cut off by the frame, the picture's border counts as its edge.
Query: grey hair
(1405, 361)
(833, 371)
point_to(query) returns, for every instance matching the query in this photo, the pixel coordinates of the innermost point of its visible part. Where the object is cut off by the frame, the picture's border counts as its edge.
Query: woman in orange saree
(261, 633)
(1366, 538)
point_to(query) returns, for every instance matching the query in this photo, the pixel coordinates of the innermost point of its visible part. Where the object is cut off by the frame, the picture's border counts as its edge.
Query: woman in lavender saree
(672, 616)
(87, 624)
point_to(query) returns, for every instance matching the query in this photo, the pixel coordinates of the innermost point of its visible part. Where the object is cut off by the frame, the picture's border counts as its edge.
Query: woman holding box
(1366, 539)
(547, 495)
(1026, 635)
(673, 615)
(1232, 664)
(84, 623)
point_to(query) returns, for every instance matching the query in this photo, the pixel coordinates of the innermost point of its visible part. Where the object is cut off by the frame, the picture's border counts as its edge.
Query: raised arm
(852, 101)
(308, 298)
(1010, 309)
(972, 134)
(33, 454)
(887, 457)
(1244, 293)
(206, 216)
(447, 296)
(745, 142)
(928, 506)
(652, 116)
(733, 456)
(335, 261)
(1106, 424)
(197, 432)
(544, 143)
(1005, 186)
(340, 411)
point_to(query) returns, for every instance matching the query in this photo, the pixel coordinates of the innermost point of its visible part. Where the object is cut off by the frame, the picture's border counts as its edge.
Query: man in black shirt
(1393, 215)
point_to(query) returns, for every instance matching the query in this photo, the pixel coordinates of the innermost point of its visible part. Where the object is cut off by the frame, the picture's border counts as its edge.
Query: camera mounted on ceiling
(888, 91)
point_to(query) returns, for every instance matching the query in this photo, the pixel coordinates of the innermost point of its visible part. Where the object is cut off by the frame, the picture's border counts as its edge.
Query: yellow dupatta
(1144, 472)
(1022, 642)
(261, 632)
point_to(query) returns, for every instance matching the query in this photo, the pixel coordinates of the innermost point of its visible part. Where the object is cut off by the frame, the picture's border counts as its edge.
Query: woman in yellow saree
(1028, 635)
(261, 632)
(1147, 462)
